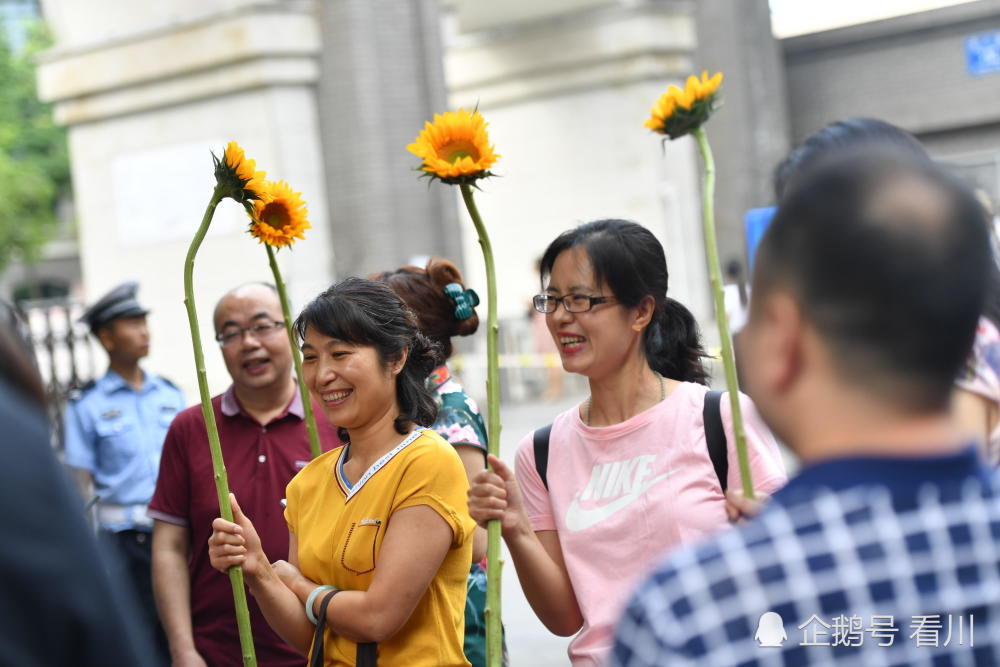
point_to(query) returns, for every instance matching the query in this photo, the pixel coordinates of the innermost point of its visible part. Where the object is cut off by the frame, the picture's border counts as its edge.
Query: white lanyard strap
(378, 465)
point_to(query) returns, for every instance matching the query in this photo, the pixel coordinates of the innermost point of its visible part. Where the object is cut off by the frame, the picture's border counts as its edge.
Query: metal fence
(66, 355)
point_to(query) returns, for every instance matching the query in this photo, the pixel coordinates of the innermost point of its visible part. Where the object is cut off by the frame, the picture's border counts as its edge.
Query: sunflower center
(457, 149)
(275, 215)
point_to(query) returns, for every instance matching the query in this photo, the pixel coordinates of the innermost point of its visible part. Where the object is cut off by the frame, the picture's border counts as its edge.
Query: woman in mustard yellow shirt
(380, 524)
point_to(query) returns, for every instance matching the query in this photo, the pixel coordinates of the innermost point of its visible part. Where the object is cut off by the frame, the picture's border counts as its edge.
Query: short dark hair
(846, 134)
(423, 292)
(366, 312)
(630, 260)
(888, 257)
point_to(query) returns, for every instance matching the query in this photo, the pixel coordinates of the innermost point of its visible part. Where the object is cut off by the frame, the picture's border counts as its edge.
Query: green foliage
(34, 163)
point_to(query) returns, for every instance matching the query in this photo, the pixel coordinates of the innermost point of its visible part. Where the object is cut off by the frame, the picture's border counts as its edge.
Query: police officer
(115, 429)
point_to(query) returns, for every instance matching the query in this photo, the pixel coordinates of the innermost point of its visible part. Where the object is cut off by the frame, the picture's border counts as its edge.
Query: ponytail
(672, 343)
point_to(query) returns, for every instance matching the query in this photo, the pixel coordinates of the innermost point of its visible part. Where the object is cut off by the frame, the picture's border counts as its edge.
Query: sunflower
(678, 111)
(279, 215)
(238, 175)
(455, 147)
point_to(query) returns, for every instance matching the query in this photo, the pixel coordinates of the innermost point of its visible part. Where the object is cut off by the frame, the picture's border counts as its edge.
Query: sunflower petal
(679, 111)
(279, 215)
(455, 146)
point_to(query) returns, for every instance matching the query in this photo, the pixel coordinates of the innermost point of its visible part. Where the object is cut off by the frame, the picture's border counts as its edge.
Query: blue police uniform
(116, 433)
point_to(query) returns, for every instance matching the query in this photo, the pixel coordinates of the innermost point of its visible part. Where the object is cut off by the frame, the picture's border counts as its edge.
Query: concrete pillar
(381, 78)
(750, 133)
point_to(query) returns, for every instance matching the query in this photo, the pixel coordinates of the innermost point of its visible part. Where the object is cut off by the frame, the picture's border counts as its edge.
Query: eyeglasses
(573, 303)
(260, 331)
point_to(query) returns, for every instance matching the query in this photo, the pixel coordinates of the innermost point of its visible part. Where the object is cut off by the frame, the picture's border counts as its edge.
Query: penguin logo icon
(770, 629)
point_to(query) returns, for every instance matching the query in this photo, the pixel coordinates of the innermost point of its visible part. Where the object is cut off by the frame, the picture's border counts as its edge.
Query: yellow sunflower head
(679, 111)
(237, 175)
(455, 147)
(279, 215)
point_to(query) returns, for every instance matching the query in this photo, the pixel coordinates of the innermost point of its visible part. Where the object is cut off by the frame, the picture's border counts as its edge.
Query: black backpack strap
(541, 440)
(715, 436)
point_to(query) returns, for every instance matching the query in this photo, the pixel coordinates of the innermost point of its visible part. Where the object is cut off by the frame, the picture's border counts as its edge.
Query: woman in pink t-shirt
(629, 474)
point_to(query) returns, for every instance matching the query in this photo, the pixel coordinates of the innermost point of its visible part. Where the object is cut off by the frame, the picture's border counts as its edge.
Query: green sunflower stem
(715, 275)
(313, 433)
(494, 637)
(218, 465)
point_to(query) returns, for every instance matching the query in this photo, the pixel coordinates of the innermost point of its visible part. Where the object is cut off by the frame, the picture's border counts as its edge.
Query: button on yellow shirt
(340, 531)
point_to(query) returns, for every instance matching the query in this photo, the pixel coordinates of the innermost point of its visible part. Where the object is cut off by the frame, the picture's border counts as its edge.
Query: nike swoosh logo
(578, 518)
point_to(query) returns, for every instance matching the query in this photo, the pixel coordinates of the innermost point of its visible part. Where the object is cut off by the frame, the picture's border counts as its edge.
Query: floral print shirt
(981, 376)
(458, 420)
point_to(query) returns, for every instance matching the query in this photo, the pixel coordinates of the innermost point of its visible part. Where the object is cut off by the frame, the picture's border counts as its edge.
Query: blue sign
(982, 53)
(755, 223)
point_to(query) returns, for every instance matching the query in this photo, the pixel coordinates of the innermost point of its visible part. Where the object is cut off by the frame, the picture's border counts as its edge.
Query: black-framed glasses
(260, 330)
(573, 303)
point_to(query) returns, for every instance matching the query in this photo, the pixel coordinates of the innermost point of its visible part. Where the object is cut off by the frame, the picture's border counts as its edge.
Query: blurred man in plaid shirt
(884, 549)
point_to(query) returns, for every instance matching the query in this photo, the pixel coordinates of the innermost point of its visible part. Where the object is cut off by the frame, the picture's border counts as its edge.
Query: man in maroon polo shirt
(264, 443)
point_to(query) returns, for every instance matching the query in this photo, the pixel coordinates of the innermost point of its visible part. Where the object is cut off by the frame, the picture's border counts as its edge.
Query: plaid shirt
(868, 561)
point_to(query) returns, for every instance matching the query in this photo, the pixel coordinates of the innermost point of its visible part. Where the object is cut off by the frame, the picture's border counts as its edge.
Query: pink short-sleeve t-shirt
(620, 496)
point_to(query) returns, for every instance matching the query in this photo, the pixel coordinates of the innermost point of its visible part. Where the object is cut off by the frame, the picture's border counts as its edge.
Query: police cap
(119, 302)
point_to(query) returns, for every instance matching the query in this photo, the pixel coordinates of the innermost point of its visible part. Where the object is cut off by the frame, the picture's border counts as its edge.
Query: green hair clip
(465, 300)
